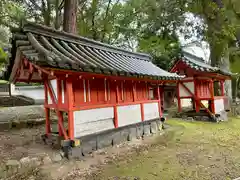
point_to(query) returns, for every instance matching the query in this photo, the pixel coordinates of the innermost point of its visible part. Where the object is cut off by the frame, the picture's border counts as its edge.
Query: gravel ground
(188, 150)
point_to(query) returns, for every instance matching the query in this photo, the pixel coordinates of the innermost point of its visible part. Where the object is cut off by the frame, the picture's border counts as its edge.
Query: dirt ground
(188, 150)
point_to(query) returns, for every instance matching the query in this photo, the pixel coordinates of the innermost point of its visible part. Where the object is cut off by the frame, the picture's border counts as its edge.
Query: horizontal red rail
(95, 106)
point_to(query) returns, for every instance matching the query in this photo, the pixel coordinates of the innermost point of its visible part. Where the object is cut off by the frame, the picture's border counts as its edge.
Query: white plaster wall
(92, 121)
(183, 92)
(205, 103)
(150, 111)
(34, 92)
(129, 114)
(219, 105)
(186, 102)
(54, 87)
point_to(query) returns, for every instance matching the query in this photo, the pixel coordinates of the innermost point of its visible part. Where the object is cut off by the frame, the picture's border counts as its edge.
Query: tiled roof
(51, 48)
(199, 64)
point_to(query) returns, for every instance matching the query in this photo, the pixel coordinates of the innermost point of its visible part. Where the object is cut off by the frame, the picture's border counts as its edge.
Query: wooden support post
(222, 88)
(30, 73)
(197, 106)
(178, 98)
(142, 111)
(59, 99)
(134, 91)
(69, 94)
(115, 107)
(162, 97)
(147, 88)
(211, 88)
(159, 102)
(47, 110)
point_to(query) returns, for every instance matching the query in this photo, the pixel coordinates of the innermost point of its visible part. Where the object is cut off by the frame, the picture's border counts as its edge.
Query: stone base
(93, 142)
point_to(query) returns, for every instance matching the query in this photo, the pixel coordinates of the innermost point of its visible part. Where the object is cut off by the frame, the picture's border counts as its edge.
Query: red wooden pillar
(212, 96)
(222, 88)
(162, 97)
(196, 89)
(134, 91)
(47, 110)
(59, 102)
(178, 97)
(159, 102)
(115, 107)
(142, 111)
(69, 93)
(147, 88)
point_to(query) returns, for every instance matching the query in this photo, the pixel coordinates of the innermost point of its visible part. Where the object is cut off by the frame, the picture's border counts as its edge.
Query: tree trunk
(58, 13)
(225, 65)
(217, 59)
(70, 16)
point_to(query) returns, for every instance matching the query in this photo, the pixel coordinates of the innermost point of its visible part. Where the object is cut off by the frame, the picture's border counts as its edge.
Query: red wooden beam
(115, 116)
(88, 75)
(174, 68)
(159, 102)
(70, 103)
(30, 72)
(211, 89)
(197, 107)
(59, 114)
(147, 89)
(222, 88)
(197, 100)
(178, 97)
(142, 111)
(47, 110)
(61, 128)
(59, 97)
(115, 107)
(41, 69)
(134, 91)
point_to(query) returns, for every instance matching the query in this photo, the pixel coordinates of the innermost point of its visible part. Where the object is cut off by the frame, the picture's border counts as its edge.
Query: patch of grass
(26, 173)
(197, 150)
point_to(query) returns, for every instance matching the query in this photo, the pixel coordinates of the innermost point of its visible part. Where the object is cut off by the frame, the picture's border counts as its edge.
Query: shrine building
(100, 88)
(203, 84)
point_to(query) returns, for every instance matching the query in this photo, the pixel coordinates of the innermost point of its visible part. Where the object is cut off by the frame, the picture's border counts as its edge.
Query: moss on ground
(195, 150)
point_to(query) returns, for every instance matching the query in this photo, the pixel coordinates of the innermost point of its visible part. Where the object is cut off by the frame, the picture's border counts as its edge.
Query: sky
(194, 44)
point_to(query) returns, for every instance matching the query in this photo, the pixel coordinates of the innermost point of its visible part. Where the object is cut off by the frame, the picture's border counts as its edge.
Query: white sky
(194, 45)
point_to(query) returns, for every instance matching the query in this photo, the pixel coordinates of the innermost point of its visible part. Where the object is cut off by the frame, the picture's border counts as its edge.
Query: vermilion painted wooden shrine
(103, 89)
(198, 85)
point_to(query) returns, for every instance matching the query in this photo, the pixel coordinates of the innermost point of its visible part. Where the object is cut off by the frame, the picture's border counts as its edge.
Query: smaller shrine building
(203, 84)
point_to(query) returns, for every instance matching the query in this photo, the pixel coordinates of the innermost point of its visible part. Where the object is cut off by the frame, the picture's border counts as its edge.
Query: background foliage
(151, 26)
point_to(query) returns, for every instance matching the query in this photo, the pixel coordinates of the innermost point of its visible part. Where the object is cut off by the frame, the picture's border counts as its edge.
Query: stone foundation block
(104, 140)
(159, 125)
(76, 153)
(88, 145)
(153, 127)
(139, 132)
(116, 138)
(132, 133)
(124, 133)
(146, 130)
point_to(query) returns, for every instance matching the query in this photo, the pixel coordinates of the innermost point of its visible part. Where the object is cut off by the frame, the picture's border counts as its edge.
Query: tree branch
(105, 20)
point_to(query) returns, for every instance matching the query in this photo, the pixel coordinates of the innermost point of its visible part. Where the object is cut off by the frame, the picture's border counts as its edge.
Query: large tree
(70, 16)
(219, 32)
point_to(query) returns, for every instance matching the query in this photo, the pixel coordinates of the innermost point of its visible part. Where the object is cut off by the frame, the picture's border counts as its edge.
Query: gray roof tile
(199, 64)
(43, 45)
